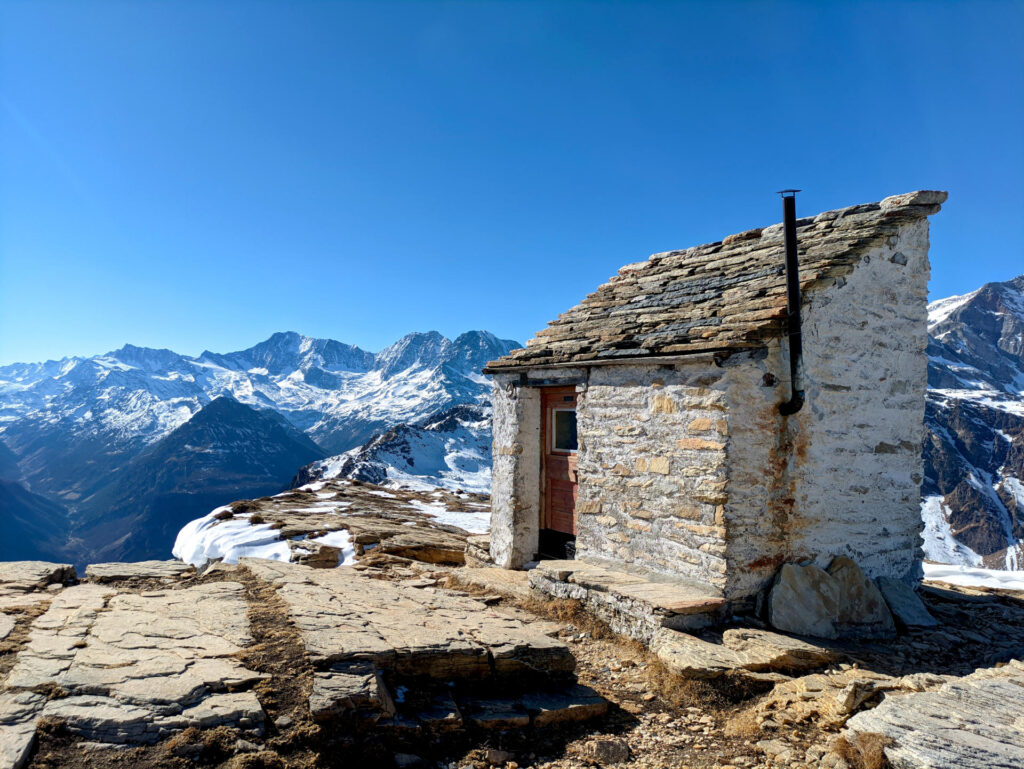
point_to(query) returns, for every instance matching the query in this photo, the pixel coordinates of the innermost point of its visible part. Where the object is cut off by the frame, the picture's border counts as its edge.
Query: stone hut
(641, 432)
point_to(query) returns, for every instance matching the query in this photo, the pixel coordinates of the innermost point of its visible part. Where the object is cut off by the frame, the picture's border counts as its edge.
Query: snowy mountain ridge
(448, 450)
(139, 394)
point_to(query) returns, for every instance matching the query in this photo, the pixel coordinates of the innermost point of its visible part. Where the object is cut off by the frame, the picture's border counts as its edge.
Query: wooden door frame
(545, 436)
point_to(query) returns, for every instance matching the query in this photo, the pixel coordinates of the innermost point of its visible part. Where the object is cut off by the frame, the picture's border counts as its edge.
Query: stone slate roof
(720, 296)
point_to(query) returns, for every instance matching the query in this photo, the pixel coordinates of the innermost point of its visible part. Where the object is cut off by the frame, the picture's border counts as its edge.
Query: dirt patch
(23, 617)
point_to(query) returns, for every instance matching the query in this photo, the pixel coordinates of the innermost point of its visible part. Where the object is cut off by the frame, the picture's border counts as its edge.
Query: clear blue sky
(200, 174)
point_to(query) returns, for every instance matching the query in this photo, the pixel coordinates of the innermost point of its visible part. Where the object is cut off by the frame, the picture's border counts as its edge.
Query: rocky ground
(302, 525)
(398, 662)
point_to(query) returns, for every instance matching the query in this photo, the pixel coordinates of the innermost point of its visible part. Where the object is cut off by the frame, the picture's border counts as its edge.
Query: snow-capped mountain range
(71, 428)
(973, 493)
(449, 450)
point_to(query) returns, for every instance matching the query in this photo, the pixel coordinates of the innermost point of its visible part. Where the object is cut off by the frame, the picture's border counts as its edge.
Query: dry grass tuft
(743, 724)
(244, 506)
(568, 611)
(864, 751)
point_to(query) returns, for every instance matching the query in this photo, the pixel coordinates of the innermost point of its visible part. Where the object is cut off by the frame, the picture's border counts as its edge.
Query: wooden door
(559, 462)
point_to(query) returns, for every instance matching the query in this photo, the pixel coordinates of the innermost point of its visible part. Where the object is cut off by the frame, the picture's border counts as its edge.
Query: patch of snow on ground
(475, 522)
(208, 539)
(341, 540)
(315, 486)
(972, 576)
(939, 543)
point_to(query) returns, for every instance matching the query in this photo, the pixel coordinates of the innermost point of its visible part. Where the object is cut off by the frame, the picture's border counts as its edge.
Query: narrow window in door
(564, 430)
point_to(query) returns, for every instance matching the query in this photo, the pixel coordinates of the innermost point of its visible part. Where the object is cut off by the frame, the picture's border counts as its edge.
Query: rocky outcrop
(974, 722)
(332, 522)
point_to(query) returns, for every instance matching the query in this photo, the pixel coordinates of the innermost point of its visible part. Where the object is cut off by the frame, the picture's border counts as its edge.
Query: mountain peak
(420, 348)
(146, 358)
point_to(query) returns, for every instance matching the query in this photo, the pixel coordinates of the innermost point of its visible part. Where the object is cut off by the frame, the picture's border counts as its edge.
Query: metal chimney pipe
(793, 325)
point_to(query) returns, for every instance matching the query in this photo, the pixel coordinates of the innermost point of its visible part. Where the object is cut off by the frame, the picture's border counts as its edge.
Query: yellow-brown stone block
(663, 404)
(659, 465)
(700, 444)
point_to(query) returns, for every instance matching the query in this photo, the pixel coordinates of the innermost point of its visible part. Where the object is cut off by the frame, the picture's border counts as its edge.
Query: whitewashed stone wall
(865, 368)
(515, 475)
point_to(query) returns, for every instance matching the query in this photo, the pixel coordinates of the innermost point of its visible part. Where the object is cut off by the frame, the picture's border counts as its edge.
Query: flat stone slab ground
(344, 616)
(117, 662)
(974, 722)
(132, 667)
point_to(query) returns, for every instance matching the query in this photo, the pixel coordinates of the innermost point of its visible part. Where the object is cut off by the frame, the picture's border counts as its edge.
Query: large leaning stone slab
(975, 722)
(115, 572)
(905, 604)
(863, 612)
(804, 601)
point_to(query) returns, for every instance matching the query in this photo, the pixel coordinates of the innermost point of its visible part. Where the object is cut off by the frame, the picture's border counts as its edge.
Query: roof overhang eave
(652, 358)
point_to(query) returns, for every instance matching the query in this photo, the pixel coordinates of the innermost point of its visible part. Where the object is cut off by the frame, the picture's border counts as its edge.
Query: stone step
(358, 690)
(637, 605)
